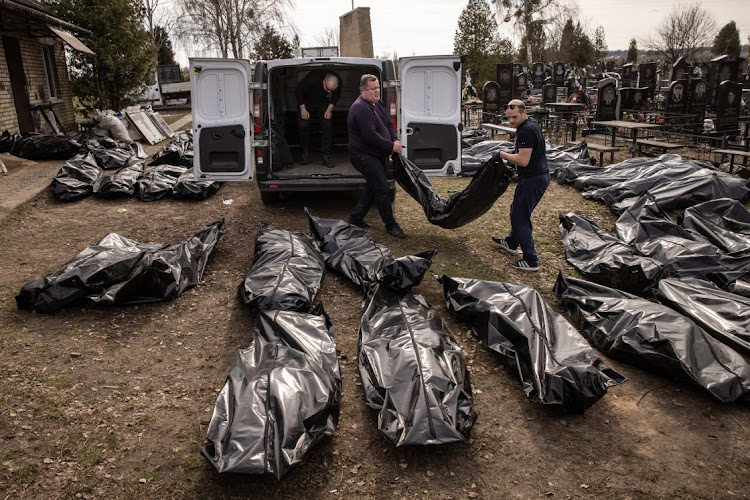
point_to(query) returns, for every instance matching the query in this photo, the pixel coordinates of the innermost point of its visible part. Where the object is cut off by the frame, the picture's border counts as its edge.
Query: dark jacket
(310, 91)
(370, 129)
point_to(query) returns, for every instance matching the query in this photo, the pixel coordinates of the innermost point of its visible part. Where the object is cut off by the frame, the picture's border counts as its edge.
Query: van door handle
(409, 130)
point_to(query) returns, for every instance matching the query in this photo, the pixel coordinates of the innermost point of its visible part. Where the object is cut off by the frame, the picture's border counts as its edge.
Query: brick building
(35, 90)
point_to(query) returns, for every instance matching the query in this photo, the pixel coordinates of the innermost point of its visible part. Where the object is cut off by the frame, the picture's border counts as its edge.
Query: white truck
(245, 127)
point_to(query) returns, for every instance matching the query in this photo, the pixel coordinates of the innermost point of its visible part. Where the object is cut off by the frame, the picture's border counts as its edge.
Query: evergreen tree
(165, 55)
(272, 44)
(117, 75)
(727, 41)
(632, 51)
(600, 44)
(566, 39)
(581, 48)
(477, 37)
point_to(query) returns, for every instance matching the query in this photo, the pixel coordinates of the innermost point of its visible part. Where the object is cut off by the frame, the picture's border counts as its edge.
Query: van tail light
(259, 156)
(257, 112)
(393, 110)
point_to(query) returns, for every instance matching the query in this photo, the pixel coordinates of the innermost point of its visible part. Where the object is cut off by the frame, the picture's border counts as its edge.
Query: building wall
(356, 33)
(37, 87)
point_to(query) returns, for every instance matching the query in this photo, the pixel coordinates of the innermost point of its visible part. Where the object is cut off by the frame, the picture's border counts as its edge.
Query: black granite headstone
(728, 108)
(698, 97)
(606, 105)
(520, 86)
(680, 70)
(538, 75)
(626, 78)
(517, 68)
(745, 80)
(677, 97)
(491, 104)
(549, 93)
(559, 74)
(647, 77)
(722, 68)
(504, 75)
(610, 65)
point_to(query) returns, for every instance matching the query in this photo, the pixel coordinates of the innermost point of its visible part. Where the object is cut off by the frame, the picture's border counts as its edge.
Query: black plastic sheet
(553, 361)
(120, 271)
(77, 178)
(723, 315)
(655, 337)
(605, 259)
(122, 183)
(558, 156)
(472, 136)
(489, 183)
(649, 230)
(158, 182)
(477, 155)
(110, 159)
(35, 146)
(630, 169)
(188, 187)
(723, 222)
(350, 251)
(280, 398)
(286, 273)
(179, 151)
(413, 372)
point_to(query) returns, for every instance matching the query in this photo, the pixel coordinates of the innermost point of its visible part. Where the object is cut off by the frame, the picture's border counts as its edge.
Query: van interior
(286, 153)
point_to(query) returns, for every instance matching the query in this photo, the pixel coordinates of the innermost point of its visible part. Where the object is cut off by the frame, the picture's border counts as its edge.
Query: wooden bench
(499, 128)
(732, 153)
(664, 146)
(598, 148)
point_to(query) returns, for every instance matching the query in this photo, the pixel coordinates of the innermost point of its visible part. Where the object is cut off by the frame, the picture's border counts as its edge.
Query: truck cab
(245, 126)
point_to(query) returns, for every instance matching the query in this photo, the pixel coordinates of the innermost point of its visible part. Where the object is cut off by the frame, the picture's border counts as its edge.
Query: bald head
(515, 110)
(330, 82)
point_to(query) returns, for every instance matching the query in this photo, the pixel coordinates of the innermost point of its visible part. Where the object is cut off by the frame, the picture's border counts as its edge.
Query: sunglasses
(521, 107)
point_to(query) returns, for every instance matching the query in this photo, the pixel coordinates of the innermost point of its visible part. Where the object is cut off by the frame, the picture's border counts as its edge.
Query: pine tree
(600, 44)
(566, 39)
(633, 51)
(581, 49)
(727, 41)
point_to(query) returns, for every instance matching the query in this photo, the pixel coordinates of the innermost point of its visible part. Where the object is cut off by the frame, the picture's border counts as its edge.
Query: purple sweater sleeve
(368, 131)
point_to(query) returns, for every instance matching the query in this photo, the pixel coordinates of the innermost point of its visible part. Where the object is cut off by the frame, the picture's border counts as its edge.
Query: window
(48, 53)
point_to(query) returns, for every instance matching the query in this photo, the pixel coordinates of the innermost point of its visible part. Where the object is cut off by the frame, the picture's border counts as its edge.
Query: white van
(244, 119)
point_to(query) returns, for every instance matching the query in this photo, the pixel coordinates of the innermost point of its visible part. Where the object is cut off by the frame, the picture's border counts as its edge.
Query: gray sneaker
(502, 243)
(522, 265)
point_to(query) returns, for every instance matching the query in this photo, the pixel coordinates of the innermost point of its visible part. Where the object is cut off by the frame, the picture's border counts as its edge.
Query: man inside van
(533, 178)
(372, 139)
(317, 93)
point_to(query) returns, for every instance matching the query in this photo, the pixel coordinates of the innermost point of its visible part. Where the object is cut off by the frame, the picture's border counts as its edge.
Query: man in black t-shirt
(317, 93)
(530, 156)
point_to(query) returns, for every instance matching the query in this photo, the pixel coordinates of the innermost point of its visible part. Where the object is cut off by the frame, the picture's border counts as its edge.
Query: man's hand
(397, 147)
(303, 113)
(328, 114)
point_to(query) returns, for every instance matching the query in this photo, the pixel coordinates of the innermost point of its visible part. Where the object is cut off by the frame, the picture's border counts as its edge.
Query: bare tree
(230, 27)
(328, 38)
(159, 23)
(685, 29)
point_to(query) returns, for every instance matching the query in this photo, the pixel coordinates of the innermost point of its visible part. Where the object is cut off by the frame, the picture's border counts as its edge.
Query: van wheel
(268, 197)
(392, 194)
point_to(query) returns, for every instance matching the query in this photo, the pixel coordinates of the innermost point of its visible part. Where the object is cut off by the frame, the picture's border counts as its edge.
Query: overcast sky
(427, 27)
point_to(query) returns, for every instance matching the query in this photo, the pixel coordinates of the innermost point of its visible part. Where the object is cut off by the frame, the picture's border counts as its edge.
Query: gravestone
(720, 69)
(610, 65)
(677, 97)
(491, 103)
(517, 68)
(680, 70)
(647, 77)
(728, 107)
(559, 76)
(626, 78)
(504, 75)
(745, 81)
(549, 93)
(520, 86)
(538, 75)
(606, 105)
(698, 98)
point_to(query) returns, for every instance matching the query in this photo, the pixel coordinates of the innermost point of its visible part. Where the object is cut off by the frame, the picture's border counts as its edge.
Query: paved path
(25, 179)
(179, 124)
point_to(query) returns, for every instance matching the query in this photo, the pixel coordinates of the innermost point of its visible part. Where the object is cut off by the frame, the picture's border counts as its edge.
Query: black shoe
(361, 223)
(305, 157)
(396, 231)
(327, 162)
(503, 243)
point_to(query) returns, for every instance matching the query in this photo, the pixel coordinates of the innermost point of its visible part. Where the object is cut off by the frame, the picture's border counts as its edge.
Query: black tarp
(350, 251)
(474, 157)
(724, 315)
(648, 229)
(281, 397)
(188, 188)
(489, 183)
(558, 156)
(472, 136)
(655, 337)
(575, 156)
(122, 183)
(413, 371)
(179, 151)
(552, 360)
(723, 222)
(110, 159)
(120, 271)
(77, 178)
(605, 259)
(286, 273)
(158, 182)
(35, 146)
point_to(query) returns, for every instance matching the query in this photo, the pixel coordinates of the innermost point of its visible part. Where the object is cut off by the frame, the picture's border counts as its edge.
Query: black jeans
(326, 130)
(377, 187)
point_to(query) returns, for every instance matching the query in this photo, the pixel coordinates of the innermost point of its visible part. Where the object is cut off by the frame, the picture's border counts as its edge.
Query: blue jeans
(528, 193)
(373, 170)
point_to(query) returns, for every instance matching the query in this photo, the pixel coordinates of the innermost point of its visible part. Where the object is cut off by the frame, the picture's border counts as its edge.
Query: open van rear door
(431, 112)
(223, 132)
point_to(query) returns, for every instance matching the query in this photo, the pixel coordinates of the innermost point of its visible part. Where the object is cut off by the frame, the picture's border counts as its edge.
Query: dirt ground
(115, 402)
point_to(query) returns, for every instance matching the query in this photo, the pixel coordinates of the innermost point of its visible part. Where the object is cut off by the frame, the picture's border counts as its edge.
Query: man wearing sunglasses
(530, 156)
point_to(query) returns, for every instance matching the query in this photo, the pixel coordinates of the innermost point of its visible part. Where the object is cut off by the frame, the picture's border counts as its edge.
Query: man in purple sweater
(372, 139)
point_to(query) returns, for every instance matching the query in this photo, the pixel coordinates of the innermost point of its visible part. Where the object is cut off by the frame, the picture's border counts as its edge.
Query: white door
(431, 112)
(223, 133)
